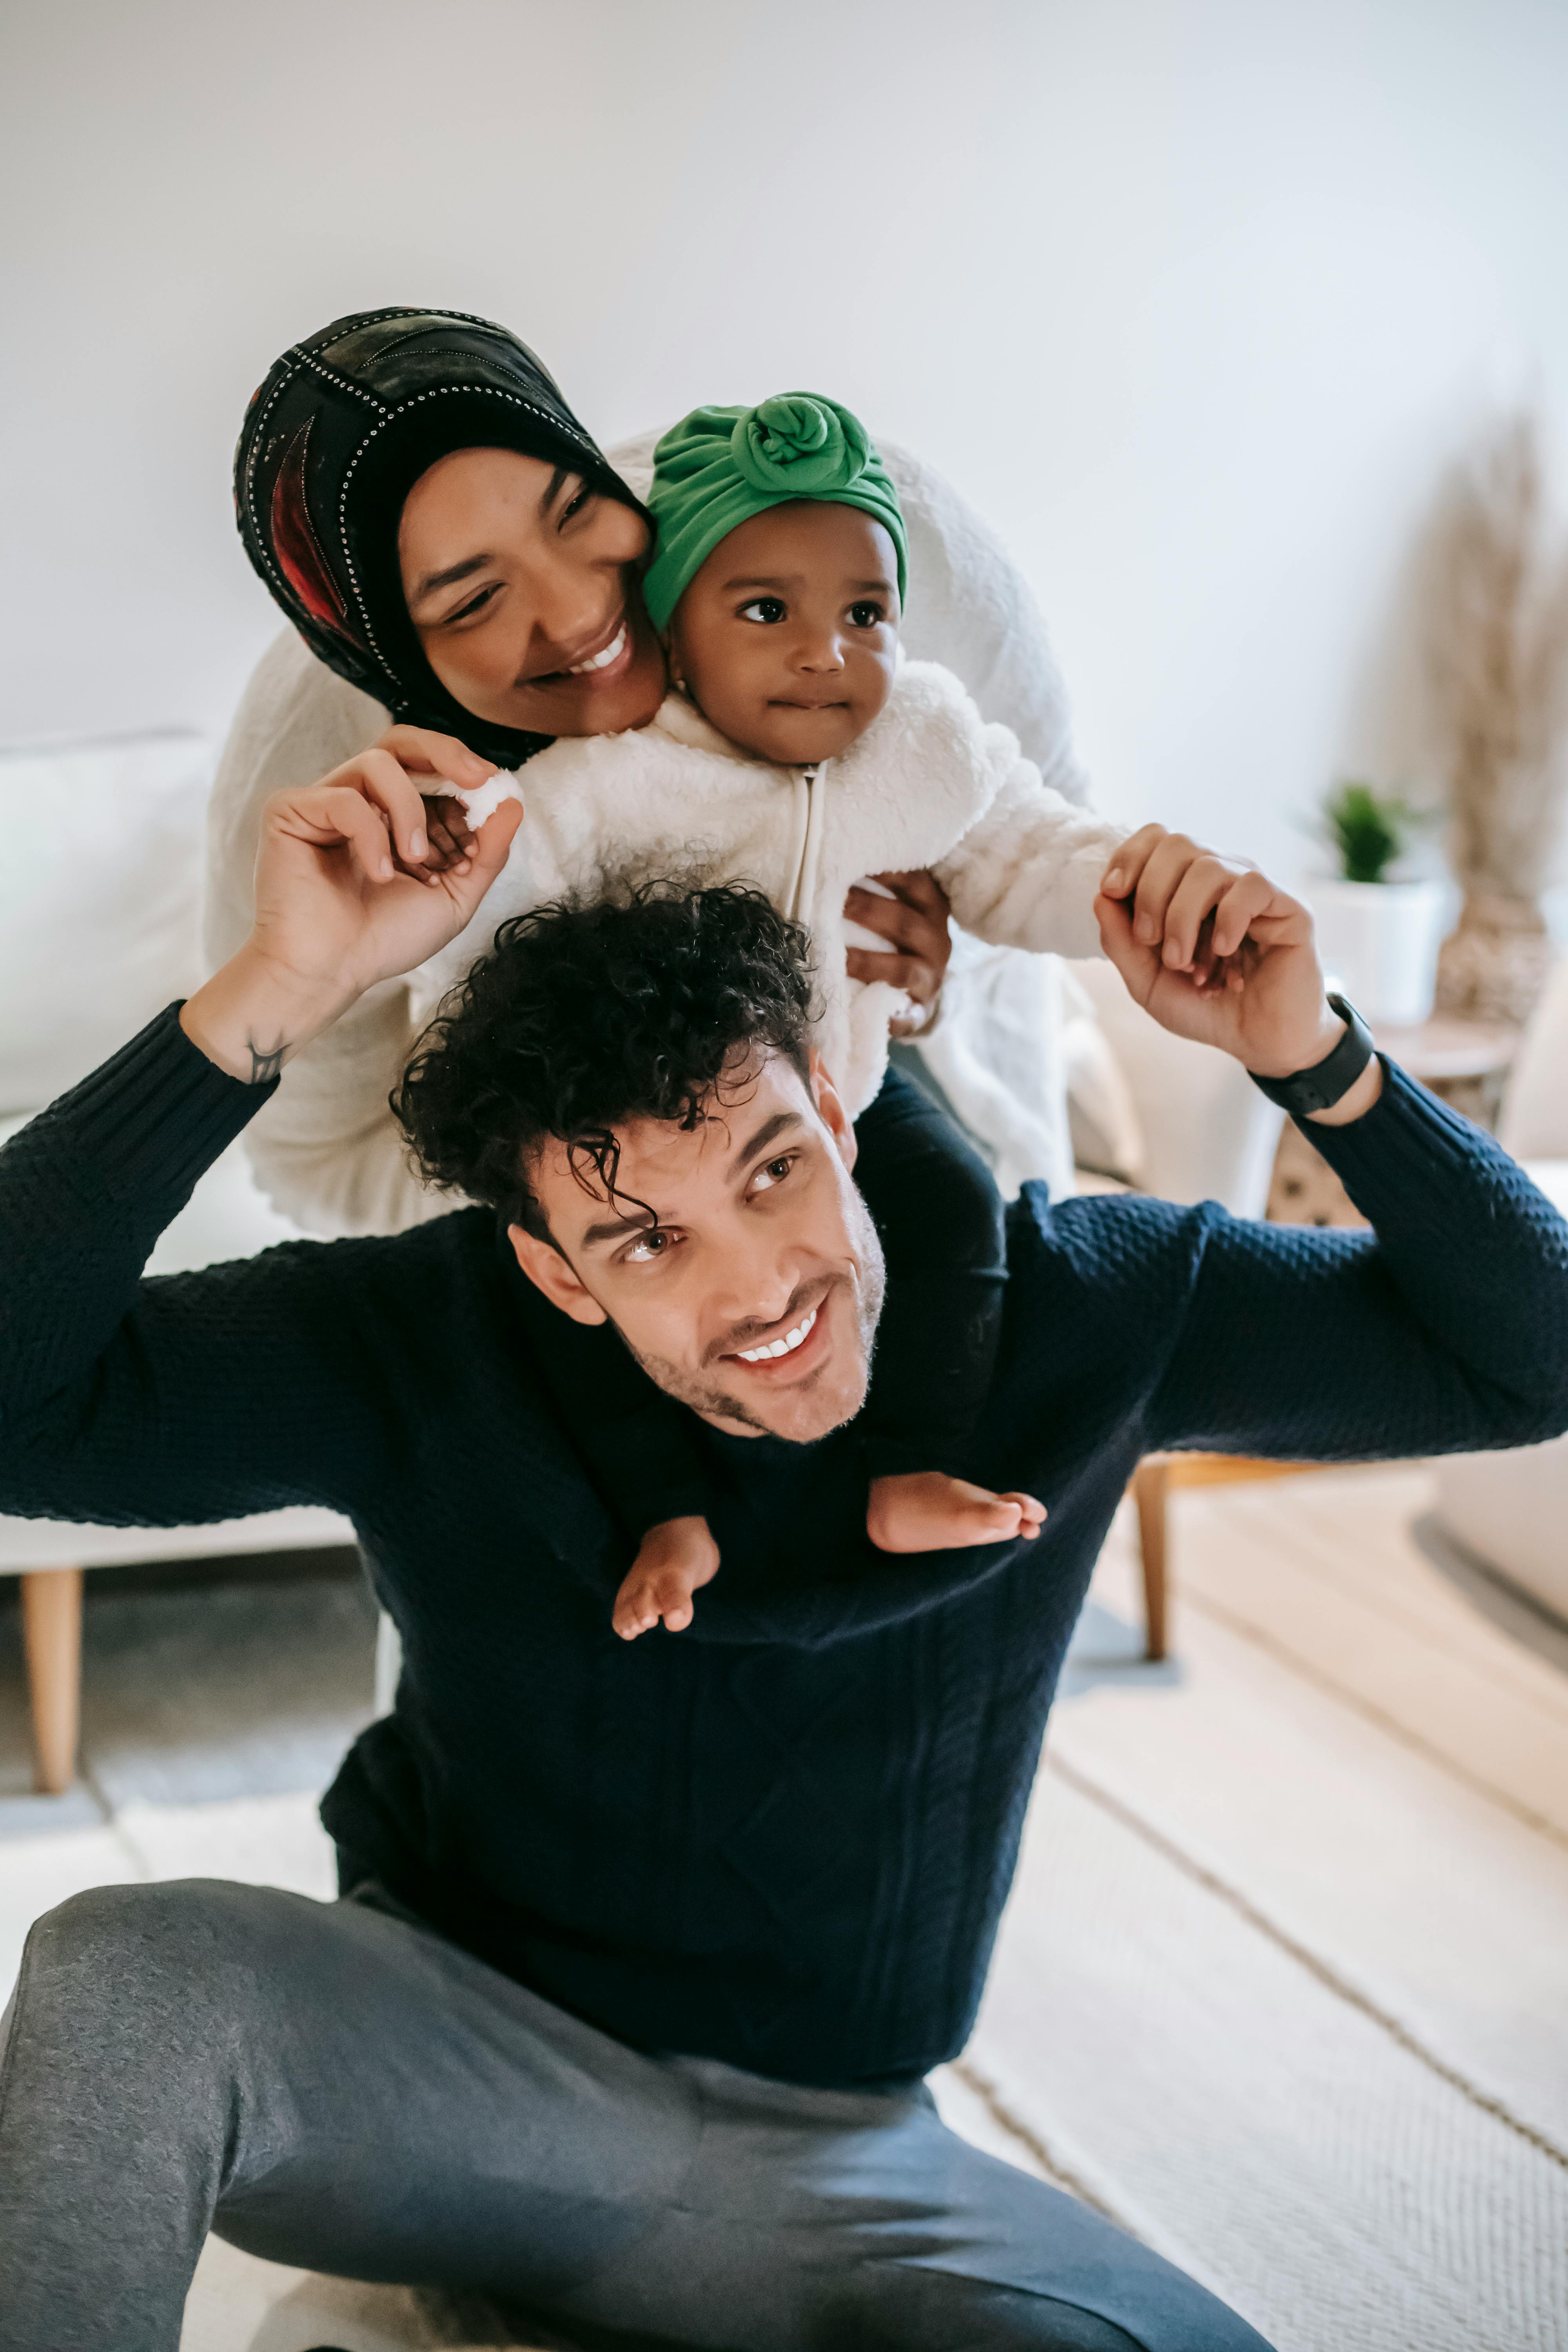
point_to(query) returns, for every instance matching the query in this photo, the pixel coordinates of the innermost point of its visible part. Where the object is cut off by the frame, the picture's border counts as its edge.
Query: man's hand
(347, 894)
(1217, 953)
(913, 922)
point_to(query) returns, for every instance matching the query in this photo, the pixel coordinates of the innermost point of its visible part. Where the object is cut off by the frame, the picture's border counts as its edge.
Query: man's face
(787, 637)
(762, 1244)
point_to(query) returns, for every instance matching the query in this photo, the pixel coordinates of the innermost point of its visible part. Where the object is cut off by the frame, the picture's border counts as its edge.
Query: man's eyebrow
(614, 1229)
(434, 580)
(765, 1134)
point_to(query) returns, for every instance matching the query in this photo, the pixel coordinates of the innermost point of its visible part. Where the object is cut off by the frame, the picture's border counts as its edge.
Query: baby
(799, 751)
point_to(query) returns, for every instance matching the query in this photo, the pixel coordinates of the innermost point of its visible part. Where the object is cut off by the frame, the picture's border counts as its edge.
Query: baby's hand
(448, 776)
(449, 832)
(1188, 910)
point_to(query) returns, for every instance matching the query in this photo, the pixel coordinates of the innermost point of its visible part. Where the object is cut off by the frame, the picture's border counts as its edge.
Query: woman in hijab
(460, 564)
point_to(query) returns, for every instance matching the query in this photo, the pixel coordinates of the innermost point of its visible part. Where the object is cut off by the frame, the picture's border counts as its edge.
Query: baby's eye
(867, 614)
(773, 1172)
(762, 608)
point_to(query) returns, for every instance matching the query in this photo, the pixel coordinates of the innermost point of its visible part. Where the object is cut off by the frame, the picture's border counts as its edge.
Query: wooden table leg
(51, 1631)
(1150, 1482)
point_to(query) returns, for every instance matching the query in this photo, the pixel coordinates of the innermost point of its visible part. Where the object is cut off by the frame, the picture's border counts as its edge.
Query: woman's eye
(772, 1174)
(574, 504)
(867, 615)
(762, 608)
(476, 604)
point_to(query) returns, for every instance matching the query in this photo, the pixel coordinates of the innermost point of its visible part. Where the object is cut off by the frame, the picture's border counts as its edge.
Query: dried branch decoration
(1498, 668)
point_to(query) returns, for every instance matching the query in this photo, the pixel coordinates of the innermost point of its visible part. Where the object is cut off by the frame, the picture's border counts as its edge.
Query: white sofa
(100, 925)
(1510, 1509)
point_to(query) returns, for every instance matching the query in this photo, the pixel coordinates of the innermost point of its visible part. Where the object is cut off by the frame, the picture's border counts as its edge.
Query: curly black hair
(581, 1018)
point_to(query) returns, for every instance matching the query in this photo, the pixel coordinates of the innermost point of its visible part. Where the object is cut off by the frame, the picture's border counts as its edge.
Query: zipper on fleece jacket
(809, 858)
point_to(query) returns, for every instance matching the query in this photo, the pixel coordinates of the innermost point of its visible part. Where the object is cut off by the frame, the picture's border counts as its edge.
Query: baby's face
(787, 637)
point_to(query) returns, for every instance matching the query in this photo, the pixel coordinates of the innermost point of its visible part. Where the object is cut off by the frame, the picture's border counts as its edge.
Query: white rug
(1284, 1983)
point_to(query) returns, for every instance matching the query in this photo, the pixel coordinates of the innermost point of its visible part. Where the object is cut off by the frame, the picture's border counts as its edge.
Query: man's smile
(790, 1341)
(790, 1350)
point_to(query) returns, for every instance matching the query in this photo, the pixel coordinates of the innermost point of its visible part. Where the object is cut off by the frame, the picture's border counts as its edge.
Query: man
(646, 1949)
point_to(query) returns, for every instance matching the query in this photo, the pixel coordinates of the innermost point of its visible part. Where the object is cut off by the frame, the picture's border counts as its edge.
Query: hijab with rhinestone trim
(333, 443)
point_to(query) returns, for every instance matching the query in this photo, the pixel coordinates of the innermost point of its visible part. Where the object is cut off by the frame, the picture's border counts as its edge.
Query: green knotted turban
(718, 466)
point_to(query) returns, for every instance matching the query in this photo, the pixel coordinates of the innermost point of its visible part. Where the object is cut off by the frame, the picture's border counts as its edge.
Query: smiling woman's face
(521, 583)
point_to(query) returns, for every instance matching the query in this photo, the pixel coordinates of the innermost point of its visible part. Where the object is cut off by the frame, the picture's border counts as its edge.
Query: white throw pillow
(1534, 1123)
(1208, 1134)
(1106, 1134)
(100, 900)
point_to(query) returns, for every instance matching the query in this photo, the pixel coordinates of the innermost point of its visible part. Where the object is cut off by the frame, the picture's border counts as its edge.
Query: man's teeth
(612, 652)
(784, 1347)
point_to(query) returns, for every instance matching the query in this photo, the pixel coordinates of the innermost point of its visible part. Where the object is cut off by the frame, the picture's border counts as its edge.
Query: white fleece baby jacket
(928, 784)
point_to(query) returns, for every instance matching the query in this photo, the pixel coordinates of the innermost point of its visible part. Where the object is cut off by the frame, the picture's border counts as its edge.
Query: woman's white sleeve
(326, 1149)
(1026, 875)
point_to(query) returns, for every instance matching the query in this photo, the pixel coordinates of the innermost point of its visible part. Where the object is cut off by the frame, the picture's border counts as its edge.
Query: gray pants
(331, 2086)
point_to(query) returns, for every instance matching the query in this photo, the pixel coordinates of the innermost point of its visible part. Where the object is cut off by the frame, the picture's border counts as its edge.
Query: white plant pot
(1378, 941)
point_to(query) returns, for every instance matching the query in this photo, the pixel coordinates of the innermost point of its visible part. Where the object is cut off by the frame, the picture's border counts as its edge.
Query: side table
(1465, 1062)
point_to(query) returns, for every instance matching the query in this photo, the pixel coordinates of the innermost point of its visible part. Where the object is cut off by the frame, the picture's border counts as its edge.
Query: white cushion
(1207, 1133)
(1534, 1123)
(100, 900)
(1509, 1509)
(1107, 1133)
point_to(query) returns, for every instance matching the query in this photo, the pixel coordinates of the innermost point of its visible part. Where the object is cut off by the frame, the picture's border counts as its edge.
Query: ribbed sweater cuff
(1407, 1144)
(157, 1114)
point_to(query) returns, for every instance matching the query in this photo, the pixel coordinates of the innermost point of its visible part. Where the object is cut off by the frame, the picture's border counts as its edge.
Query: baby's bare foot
(925, 1510)
(675, 1559)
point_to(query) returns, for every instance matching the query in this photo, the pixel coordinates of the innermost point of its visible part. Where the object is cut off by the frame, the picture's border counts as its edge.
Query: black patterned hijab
(333, 443)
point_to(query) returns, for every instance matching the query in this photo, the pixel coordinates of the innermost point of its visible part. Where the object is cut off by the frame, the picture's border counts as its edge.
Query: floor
(1283, 1986)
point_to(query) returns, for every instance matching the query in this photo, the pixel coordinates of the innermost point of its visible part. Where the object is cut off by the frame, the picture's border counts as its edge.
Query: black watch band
(1321, 1086)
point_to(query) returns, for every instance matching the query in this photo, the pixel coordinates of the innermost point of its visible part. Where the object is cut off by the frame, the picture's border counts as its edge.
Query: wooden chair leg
(51, 1631)
(1151, 1482)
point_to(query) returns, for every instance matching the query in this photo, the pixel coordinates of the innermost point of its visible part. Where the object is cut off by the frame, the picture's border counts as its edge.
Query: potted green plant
(1377, 937)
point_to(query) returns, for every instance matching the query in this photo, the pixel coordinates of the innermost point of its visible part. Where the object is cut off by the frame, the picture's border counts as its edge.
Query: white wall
(1196, 300)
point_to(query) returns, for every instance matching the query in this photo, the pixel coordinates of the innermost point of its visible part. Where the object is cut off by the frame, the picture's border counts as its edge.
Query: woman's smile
(605, 656)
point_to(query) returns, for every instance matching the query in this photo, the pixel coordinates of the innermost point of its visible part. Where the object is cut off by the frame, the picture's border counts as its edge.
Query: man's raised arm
(1446, 1326)
(166, 1401)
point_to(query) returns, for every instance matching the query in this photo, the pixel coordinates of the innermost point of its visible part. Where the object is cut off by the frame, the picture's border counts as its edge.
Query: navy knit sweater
(782, 1838)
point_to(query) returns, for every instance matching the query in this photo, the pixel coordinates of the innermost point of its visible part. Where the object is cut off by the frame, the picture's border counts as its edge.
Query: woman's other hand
(914, 922)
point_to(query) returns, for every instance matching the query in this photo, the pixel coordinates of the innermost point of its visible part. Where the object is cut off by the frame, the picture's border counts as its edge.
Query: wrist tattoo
(265, 1066)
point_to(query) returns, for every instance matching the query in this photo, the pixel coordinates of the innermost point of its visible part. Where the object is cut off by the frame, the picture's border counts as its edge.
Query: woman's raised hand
(347, 894)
